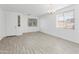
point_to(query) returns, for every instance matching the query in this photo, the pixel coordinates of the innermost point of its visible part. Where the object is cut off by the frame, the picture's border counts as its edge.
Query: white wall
(2, 24)
(11, 24)
(48, 25)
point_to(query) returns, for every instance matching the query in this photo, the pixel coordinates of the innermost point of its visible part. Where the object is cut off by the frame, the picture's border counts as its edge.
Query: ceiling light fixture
(50, 10)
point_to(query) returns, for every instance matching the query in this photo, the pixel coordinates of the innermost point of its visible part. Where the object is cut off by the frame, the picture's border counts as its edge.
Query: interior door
(11, 24)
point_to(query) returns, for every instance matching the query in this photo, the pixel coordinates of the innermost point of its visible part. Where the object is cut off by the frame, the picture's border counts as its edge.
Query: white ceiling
(32, 9)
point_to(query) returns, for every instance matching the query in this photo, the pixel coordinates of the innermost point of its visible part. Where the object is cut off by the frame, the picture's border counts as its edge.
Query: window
(19, 21)
(59, 21)
(32, 22)
(65, 20)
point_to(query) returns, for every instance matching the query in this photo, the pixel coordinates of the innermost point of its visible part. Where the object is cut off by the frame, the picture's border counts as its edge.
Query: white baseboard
(60, 37)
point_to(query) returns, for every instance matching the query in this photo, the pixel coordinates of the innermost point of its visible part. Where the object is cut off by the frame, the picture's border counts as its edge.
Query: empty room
(39, 28)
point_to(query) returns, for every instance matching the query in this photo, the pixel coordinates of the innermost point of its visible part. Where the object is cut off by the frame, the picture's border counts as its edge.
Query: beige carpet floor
(37, 43)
